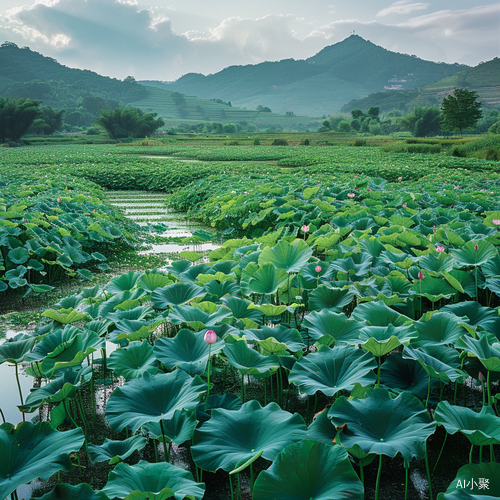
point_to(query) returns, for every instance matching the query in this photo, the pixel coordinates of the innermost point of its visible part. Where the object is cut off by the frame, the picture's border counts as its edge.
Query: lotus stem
(470, 453)
(165, 448)
(488, 384)
(455, 393)
(428, 392)
(265, 392)
(379, 473)
(441, 451)
(208, 376)
(361, 475)
(79, 405)
(104, 363)
(475, 279)
(428, 472)
(315, 403)
(156, 455)
(378, 373)
(19, 389)
(242, 388)
(230, 484)
(239, 487)
(3, 416)
(407, 466)
(251, 479)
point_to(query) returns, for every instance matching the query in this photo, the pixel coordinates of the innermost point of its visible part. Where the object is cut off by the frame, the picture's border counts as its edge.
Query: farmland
(346, 325)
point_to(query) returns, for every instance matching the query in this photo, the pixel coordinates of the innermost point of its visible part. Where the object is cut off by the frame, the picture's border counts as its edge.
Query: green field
(342, 325)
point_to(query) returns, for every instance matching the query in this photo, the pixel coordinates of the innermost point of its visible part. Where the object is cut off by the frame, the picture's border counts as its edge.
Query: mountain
(319, 85)
(483, 79)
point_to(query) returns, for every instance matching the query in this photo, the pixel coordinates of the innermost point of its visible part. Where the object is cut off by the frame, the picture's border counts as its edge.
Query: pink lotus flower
(476, 248)
(420, 275)
(452, 205)
(368, 189)
(481, 377)
(58, 200)
(404, 205)
(400, 179)
(210, 337)
(496, 222)
(440, 248)
(434, 229)
(351, 195)
(305, 229)
(317, 269)
(328, 188)
(355, 188)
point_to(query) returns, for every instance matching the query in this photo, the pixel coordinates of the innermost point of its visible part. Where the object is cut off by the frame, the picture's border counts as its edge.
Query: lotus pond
(342, 342)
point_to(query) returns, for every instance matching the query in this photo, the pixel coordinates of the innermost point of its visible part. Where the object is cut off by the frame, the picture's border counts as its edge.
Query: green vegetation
(460, 111)
(129, 122)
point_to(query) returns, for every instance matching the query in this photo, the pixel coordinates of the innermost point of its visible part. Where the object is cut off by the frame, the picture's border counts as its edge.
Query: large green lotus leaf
(400, 374)
(218, 290)
(112, 304)
(480, 428)
(322, 429)
(150, 281)
(136, 313)
(178, 429)
(401, 260)
(491, 269)
(483, 350)
(66, 316)
(29, 451)
(158, 481)
(73, 353)
(240, 308)
(15, 350)
(382, 425)
(467, 483)
(186, 351)
(325, 297)
(291, 257)
(124, 282)
(134, 360)
(320, 472)
(152, 398)
(114, 451)
(381, 340)
(56, 390)
(336, 325)
(18, 255)
(356, 265)
(233, 437)
(54, 339)
(442, 328)
(436, 265)
(309, 274)
(440, 362)
(333, 370)
(249, 361)
(227, 401)
(129, 329)
(266, 279)
(81, 491)
(467, 256)
(481, 317)
(189, 314)
(290, 337)
(378, 314)
(433, 289)
(191, 274)
(175, 295)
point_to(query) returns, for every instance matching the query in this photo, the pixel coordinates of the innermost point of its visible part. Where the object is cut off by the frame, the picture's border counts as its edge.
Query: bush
(495, 128)
(93, 131)
(305, 142)
(256, 142)
(344, 126)
(360, 142)
(280, 142)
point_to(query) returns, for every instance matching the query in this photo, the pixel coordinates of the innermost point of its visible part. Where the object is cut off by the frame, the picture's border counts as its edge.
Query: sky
(163, 40)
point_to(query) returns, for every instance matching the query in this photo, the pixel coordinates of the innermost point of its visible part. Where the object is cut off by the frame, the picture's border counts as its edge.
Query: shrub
(360, 142)
(280, 142)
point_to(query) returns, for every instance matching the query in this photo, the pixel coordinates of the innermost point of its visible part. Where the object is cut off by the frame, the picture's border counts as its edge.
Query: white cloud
(402, 7)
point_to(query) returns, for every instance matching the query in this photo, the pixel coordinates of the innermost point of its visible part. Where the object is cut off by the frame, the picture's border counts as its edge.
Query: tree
(427, 122)
(129, 122)
(460, 111)
(16, 117)
(344, 126)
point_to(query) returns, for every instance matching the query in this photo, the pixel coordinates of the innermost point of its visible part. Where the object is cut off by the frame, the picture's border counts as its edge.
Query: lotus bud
(317, 269)
(404, 205)
(440, 248)
(420, 275)
(351, 195)
(476, 248)
(210, 337)
(434, 229)
(496, 222)
(58, 200)
(400, 179)
(305, 228)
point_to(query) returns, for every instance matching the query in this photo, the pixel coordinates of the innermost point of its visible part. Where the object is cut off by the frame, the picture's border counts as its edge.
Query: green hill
(483, 79)
(319, 85)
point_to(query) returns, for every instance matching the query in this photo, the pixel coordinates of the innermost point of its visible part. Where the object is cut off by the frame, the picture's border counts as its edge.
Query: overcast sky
(162, 40)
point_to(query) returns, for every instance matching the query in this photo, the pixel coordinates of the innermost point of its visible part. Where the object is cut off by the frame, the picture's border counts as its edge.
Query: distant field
(198, 110)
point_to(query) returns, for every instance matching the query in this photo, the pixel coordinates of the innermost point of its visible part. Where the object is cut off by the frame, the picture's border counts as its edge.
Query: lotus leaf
(175, 295)
(267, 279)
(336, 325)
(186, 351)
(193, 315)
(322, 429)
(178, 429)
(290, 337)
(483, 350)
(320, 472)
(82, 491)
(442, 328)
(66, 316)
(481, 428)
(325, 297)
(378, 314)
(381, 340)
(231, 437)
(468, 256)
(291, 257)
(134, 360)
(485, 318)
(16, 350)
(402, 374)
(249, 361)
(150, 281)
(152, 398)
(466, 485)
(114, 451)
(153, 481)
(333, 370)
(382, 425)
(227, 401)
(29, 451)
(218, 289)
(240, 308)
